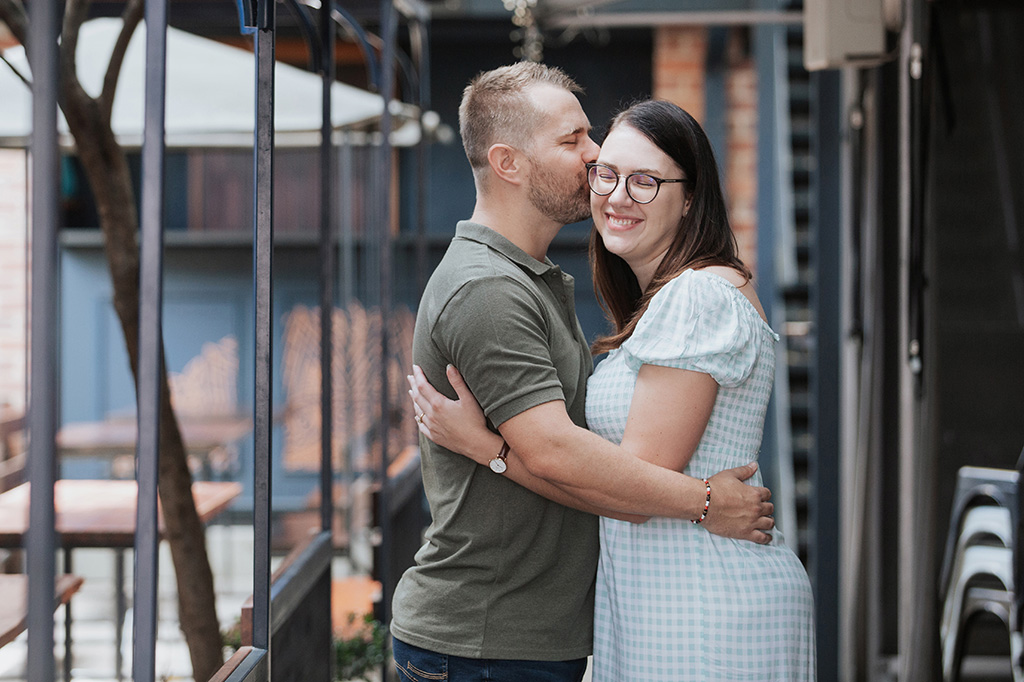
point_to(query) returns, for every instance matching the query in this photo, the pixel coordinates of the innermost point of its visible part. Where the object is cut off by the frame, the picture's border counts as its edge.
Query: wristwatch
(498, 464)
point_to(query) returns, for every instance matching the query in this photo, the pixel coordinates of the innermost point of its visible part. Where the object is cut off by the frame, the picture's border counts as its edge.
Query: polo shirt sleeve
(496, 334)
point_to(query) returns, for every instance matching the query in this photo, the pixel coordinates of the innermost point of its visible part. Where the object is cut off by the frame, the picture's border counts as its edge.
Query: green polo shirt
(504, 573)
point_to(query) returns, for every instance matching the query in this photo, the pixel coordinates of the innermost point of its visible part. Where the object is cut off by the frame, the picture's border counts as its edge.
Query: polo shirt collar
(476, 232)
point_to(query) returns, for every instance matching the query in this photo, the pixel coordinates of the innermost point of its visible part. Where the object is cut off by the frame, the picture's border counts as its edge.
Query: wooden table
(207, 439)
(14, 602)
(99, 514)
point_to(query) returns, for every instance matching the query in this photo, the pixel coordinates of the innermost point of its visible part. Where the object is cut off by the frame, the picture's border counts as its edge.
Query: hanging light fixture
(531, 42)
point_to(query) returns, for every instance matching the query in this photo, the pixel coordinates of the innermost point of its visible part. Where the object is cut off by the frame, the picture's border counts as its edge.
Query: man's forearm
(564, 495)
(596, 471)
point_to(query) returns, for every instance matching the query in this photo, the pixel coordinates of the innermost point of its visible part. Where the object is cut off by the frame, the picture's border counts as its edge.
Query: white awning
(210, 97)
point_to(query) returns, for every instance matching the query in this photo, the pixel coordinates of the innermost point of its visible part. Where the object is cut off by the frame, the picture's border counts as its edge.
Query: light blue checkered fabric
(674, 602)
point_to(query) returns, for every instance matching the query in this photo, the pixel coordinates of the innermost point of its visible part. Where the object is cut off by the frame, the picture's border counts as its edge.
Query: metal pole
(389, 22)
(774, 235)
(347, 246)
(150, 348)
(327, 267)
(715, 103)
(825, 297)
(263, 244)
(42, 411)
(916, 469)
(420, 38)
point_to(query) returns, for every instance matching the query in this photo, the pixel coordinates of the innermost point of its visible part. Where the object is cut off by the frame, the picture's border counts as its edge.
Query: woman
(685, 384)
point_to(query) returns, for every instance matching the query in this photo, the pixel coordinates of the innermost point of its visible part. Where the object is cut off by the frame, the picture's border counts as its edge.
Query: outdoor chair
(978, 487)
(978, 565)
(980, 568)
(1017, 613)
(980, 600)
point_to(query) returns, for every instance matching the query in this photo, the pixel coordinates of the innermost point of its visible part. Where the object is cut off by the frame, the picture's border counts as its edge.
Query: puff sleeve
(700, 322)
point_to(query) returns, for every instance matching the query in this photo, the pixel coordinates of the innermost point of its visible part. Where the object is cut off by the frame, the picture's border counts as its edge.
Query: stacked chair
(981, 567)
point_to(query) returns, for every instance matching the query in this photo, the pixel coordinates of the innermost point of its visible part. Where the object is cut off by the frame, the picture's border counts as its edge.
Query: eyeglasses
(641, 187)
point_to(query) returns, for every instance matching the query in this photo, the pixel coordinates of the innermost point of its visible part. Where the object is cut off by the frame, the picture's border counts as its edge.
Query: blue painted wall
(208, 295)
(208, 288)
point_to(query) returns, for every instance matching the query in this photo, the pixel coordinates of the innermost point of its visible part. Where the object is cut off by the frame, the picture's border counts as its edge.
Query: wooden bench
(14, 602)
(12, 455)
(245, 665)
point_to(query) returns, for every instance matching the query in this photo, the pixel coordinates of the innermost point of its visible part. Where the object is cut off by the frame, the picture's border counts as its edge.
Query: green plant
(366, 650)
(355, 656)
(231, 637)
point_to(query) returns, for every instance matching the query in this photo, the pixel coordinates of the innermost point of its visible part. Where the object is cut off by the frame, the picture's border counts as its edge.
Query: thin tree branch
(12, 13)
(75, 12)
(17, 73)
(131, 16)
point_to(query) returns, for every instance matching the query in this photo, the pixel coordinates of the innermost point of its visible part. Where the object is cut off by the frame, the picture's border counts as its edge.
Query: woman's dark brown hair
(704, 237)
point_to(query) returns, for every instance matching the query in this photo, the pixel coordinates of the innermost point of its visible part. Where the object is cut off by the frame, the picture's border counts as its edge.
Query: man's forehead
(559, 108)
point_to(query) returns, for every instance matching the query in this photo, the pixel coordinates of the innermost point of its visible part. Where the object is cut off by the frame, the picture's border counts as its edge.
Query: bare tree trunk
(106, 168)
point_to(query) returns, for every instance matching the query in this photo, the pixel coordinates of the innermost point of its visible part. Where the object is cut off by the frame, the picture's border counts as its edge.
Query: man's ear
(506, 162)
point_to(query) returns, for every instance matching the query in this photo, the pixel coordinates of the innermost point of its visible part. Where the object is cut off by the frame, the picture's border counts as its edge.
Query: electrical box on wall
(840, 33)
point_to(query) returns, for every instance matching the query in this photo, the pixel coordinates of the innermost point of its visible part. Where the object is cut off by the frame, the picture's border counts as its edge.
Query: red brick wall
(13, 280)
(680, 56)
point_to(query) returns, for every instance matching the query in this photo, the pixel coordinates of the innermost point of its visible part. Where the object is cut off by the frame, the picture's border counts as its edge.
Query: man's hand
(739, 510)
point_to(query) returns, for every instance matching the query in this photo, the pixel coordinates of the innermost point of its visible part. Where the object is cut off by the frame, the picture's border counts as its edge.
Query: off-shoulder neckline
(711, 276)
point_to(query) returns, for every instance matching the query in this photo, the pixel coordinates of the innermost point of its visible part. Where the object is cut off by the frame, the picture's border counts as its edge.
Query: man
(504, 587)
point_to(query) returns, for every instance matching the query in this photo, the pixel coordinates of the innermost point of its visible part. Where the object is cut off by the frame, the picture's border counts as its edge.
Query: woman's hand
(458, 425)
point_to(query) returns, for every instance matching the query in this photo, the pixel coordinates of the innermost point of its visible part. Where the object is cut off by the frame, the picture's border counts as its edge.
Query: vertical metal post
(715, 69)
(42, 410)
(825, 297)
(776, 462)
(420, 38)
(263, 245)
(916, 464)
(347, 246)
(327, 267)
(68, 568)
(389, 21)
(150, 349)
(346, 275)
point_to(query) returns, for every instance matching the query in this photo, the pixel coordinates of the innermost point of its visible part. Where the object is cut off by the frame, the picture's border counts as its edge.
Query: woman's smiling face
(638, 233)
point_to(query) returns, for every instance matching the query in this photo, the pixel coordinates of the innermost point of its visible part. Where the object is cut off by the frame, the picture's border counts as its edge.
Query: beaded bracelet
(707, 502)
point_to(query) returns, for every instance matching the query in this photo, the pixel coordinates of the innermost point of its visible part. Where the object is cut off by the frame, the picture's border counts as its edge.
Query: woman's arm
(461, 427)
(667, 417)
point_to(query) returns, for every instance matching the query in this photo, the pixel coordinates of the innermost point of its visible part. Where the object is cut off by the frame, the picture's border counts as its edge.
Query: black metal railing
(147, 469)
(41, 542)
(300, 596)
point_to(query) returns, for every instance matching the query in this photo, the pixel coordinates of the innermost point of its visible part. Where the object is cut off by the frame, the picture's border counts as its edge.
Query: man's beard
(561, 201)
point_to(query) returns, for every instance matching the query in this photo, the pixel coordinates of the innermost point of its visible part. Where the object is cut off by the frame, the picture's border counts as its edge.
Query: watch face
(498, 466)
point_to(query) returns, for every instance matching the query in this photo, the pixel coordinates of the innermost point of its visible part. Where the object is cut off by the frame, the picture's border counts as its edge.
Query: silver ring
(419, 418)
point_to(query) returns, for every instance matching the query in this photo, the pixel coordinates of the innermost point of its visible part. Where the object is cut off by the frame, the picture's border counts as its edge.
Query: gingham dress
(675, 602)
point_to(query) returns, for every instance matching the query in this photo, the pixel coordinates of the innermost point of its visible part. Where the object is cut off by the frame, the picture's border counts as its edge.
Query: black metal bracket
(249, 16)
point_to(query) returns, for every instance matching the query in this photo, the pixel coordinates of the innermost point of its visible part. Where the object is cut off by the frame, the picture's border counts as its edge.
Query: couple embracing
(615, 511)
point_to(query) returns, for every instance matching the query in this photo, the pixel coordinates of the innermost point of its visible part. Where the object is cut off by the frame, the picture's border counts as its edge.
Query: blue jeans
(420, 665)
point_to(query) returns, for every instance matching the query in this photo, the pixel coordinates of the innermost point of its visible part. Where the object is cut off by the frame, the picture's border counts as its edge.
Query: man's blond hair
(496, 109)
